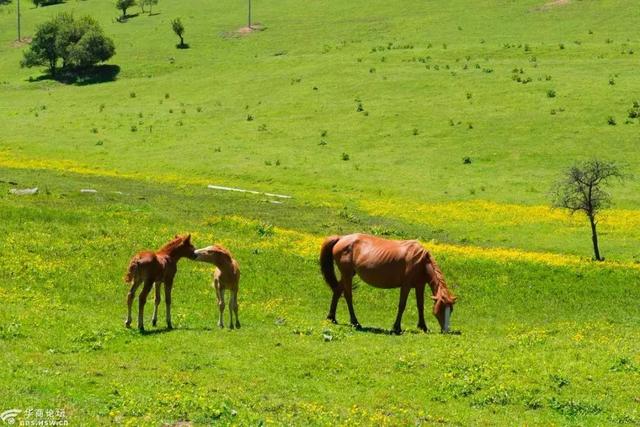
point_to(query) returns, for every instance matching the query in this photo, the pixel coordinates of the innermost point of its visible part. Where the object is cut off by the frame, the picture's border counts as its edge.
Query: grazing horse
(225, 276)
(157, 267)
(386, 264)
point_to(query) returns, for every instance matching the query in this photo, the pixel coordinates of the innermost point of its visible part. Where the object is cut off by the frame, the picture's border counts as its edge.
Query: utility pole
(249, 13)
(19, 20)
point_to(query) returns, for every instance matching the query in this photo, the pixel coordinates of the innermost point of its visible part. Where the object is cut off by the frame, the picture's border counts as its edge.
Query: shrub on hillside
(37, 3)
(123, 5)
(79, 43)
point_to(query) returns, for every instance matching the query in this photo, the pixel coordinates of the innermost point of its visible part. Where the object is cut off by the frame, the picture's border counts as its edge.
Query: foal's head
(215, 254)
(181, 246)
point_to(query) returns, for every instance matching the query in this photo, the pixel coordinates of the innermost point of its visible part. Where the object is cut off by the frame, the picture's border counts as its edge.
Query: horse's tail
(131, 271)
(326, 261)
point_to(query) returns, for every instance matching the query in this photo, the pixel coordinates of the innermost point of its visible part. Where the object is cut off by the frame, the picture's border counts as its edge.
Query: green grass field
(548, 336)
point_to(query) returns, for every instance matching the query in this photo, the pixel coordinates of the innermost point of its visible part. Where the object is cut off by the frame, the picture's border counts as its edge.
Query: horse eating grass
(225, 276)
(385, 264)
(158, 267)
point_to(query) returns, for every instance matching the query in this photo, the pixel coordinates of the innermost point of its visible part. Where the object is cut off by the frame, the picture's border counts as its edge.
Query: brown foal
(148, 267)
(386, 264)
(226, 276)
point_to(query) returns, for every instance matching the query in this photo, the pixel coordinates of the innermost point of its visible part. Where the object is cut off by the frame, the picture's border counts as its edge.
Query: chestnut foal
(158, 267)
(226, 276)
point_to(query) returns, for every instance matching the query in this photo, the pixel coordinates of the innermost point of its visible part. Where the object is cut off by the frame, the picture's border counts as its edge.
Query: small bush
(134, 128)
(345, 157)
(611, 121)
(551, 93)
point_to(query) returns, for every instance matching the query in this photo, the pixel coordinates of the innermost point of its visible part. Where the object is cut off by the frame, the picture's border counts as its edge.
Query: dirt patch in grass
(252, 29)
(24, 41)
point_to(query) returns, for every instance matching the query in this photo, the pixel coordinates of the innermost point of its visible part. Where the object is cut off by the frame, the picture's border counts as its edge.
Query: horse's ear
(188, 238)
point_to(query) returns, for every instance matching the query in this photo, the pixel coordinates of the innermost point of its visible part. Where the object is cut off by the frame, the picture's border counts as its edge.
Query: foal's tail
(326, 261)
(131, 271)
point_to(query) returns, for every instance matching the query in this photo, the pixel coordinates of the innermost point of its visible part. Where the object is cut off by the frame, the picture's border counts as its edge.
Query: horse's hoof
(221, 325)
(332, 319)
(154, 323)
(169, 327)
(127, 324)
(231, 326)
(424, 329)
(141, 329)
(396, 331)
(358, 326)
(237, 325)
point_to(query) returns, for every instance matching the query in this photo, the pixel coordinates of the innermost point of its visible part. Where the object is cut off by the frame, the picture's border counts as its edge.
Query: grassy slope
(528, 328)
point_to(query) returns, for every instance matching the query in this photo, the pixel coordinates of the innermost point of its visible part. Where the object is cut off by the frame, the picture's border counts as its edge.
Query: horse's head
(207, 254)
(185, 248)
(442, 309)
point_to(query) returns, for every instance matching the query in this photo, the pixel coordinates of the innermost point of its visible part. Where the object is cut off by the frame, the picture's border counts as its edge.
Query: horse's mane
(439, 285)
(173, 244)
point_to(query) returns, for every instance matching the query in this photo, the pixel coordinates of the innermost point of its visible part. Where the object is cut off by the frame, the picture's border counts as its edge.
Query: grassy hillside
(548, 337)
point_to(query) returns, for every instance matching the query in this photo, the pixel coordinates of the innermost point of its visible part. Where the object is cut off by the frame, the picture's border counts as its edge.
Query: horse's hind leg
(142, 300)
(347, 284)
(404, 293)
(130, 296)
(235, 308)
(154, 319)
(337, 293)
(231, 302)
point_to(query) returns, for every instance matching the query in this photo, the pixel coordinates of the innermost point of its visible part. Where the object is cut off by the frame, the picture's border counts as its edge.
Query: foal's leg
(142, 300)
(404, 293)
(168, 285)
(420, 303)
(232, 298)
(220, 295)
(154, 319)
(130, 296)
(235, 307)
(347, 284)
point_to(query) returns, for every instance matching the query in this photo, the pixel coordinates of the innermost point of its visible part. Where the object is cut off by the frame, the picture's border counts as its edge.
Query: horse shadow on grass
(82, 77)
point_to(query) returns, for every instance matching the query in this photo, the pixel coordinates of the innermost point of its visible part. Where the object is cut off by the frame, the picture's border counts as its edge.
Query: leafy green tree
(79, 43)
(42, 50)
(581, 190)
(178, 28)
(123, 5)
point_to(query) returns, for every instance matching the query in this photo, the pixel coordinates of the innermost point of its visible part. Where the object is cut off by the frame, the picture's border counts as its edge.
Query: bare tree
(581, 190)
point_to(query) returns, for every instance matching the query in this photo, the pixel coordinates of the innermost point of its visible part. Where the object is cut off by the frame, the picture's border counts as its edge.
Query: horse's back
(386, 263)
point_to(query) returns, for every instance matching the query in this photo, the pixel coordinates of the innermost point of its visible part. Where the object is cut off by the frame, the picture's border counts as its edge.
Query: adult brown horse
(386, 264)
(157, 267)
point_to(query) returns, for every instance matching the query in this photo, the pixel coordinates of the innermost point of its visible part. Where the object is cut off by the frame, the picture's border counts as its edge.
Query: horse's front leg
(348, 286)
(154, 318)
(404, 293)
(420, 303)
